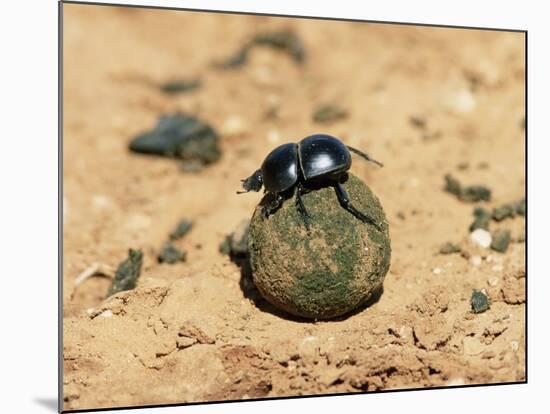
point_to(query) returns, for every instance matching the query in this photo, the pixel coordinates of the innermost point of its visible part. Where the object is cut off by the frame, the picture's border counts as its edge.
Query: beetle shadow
(251, 292)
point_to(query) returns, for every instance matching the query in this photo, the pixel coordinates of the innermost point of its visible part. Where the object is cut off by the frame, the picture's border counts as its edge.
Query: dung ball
(329, 270)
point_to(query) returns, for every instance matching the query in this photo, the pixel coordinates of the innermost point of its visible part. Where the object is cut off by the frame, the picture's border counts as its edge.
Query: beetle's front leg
(273, 205)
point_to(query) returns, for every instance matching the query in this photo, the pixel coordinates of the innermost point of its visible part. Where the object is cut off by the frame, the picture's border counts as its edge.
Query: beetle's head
(252, 183)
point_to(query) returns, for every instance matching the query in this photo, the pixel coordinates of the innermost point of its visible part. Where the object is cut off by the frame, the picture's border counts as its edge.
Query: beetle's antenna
(365, 156)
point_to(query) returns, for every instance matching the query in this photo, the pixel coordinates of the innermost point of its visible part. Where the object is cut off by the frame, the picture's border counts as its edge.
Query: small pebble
(179, 86)
(106, 313)
(182, 229)
(418, 121)
(501, 240)
(502, 212)
(470, 194)
(481, 237)
(171, 254)
(461, 101)
(449, 248)
(482, 218)
(436, 271)
(475, 260)
(520, 207)
(480, 301)
(127, 273)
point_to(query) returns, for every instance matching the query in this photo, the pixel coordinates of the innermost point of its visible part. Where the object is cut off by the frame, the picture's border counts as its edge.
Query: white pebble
(475, 260)
(481, 237)
(437, 271)
(106, 313)
(461, 101)
(514, 345)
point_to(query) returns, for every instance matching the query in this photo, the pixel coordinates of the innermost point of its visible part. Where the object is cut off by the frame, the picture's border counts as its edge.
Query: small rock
(482, 218)
(449, 248)
(418, 121)
(171, 254)
(462, 101)
(284, 40)
(501, 240)
(183, 227)
(480, 302)
(470, 194)
(179, 136)
(106, 313)
(502, 212)
(127, 273)
(520, 207)
(452, 185)
(481, 237)
(475, 193)
(436, 271)
(185, 342)
(179, 86)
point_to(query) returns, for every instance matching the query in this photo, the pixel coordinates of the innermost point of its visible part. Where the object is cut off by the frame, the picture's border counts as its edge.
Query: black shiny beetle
(316, 161)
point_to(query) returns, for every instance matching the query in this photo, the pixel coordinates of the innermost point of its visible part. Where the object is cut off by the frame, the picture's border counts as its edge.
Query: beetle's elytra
(316, 160)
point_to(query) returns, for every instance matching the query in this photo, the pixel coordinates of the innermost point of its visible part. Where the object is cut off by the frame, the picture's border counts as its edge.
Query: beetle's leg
(273, 206)
(344, 200)
(364, 155)
(300, 205)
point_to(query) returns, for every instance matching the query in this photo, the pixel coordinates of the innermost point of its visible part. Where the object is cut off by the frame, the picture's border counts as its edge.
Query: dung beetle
(316, 161)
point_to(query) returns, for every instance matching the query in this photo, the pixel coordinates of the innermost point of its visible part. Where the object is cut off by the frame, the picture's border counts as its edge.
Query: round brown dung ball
(329, 270)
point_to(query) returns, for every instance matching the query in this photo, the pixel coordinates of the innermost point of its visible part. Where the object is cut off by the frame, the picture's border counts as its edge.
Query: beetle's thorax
(280, 168)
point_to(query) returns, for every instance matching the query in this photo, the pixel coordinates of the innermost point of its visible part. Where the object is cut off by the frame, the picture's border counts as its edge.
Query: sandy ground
(192, 331)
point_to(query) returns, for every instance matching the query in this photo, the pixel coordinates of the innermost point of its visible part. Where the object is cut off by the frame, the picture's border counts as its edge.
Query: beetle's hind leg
(344, 200)
(300, 205)
(365, 156)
